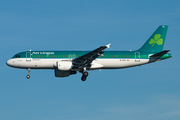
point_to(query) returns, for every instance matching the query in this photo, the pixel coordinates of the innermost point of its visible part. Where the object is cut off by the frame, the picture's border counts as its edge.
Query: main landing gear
(84, 75)
(28, 76)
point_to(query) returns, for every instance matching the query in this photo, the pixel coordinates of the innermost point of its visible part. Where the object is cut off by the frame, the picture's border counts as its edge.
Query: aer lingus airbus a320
(67, 63)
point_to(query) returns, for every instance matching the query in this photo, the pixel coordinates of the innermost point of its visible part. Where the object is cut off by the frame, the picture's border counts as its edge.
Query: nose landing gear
(28, 76)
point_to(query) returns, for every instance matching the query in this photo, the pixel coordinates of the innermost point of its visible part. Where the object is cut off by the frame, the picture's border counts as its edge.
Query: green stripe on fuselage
(75, 54)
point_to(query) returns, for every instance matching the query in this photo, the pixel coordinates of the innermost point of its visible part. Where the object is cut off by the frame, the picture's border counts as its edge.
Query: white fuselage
(96, 64)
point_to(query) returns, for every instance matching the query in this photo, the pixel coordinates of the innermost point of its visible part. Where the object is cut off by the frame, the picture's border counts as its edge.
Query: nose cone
(9, 62)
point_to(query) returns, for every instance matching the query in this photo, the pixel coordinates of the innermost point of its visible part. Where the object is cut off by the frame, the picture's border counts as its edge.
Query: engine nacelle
(64, 65)
(59, 73)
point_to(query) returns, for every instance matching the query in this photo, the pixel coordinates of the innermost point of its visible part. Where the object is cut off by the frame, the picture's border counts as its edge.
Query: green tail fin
(156, 42)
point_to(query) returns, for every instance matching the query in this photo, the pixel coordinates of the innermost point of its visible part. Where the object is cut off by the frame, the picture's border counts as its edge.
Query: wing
(85, 60)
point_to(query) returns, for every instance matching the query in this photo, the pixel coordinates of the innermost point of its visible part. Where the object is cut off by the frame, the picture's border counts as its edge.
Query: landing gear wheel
(28, 76)
(83, 78)
(85, 74)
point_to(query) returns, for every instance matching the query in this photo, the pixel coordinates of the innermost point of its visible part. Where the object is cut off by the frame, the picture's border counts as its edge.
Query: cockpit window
(16, 56)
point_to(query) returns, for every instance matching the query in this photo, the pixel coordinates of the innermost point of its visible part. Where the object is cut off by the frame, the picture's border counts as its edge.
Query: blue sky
(147, 92)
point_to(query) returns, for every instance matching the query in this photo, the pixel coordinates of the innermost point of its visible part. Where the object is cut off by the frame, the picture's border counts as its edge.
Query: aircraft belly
(120, 63)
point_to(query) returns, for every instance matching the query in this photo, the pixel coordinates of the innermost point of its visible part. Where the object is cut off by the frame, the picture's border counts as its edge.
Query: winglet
(108, 46)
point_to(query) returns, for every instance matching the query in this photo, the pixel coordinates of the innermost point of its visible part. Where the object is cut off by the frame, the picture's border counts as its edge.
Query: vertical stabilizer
(156, 42)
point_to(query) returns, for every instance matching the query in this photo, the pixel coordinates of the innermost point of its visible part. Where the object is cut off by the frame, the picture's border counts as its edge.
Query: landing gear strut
(28, 76)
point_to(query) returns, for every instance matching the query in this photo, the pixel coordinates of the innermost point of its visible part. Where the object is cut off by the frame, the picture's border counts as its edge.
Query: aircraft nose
(9, 62)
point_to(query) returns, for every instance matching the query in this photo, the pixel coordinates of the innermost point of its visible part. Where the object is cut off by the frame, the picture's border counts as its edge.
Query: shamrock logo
(157, 40)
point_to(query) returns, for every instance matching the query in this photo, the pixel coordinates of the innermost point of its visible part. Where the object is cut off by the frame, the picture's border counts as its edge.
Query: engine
(60, 73)
(64, 65)
(64, 69)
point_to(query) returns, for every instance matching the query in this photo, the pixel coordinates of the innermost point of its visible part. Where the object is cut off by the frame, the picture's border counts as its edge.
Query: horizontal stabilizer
(160, 54)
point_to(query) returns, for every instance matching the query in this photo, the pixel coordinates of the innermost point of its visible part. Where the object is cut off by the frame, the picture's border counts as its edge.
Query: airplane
(66, 63)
